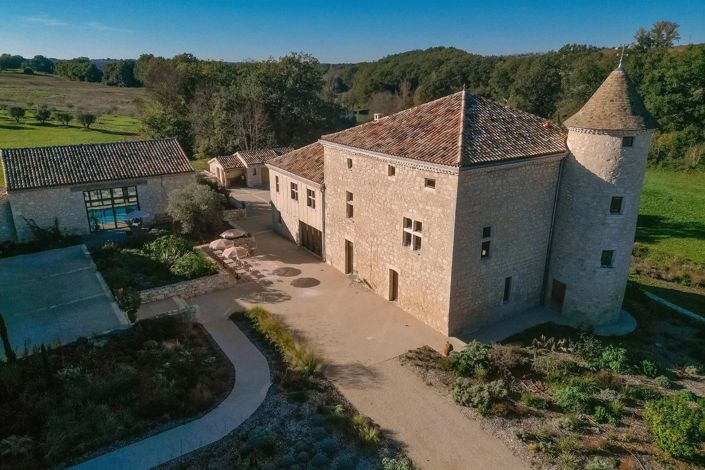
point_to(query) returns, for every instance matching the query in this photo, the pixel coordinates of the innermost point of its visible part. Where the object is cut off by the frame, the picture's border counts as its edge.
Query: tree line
(554, 84)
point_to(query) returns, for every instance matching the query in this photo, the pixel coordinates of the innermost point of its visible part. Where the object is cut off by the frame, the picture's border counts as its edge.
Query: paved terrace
(359, 335)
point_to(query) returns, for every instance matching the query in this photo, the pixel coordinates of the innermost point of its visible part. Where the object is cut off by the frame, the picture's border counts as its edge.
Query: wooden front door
(349, 264)
(393, 285)
(557, 295)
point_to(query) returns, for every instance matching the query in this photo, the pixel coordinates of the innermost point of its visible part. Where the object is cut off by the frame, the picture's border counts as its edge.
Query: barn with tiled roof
(90, 188)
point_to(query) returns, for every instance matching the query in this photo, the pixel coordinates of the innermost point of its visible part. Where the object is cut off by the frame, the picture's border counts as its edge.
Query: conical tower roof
(614, 106)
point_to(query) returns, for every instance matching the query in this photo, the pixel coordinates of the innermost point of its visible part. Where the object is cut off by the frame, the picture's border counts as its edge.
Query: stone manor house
(465, 211)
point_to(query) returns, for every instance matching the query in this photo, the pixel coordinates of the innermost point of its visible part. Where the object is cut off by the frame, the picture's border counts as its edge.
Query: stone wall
(189, 289)
(66, 204)
(287, 212)
(381, 202)
(516, 201)
(7, 224)
(598, 169)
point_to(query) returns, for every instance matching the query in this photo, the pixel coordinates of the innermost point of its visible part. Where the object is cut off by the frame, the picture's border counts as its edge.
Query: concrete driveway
(359, 336)
(55, 297)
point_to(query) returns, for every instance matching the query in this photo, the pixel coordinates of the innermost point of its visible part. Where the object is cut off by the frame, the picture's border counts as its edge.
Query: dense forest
(217, 107)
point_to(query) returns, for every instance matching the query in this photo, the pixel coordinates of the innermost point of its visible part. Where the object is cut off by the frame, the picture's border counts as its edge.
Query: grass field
(672, 215)
(30, 91)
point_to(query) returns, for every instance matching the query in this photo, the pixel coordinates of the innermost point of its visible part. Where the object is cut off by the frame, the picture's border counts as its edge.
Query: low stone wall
(188, 289)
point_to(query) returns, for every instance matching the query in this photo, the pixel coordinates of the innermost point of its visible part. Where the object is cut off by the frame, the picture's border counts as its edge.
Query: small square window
(627, 141)
(349, 163)
(507, 289)
(417, 226)
(485, 251)
(616, 205)
(430, 183)
(391, 170)
(486, 232)
(607, 258)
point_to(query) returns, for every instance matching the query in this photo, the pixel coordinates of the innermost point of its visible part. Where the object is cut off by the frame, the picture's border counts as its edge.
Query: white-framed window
(294, 191)
(311, 198)
(349, 205)
(429, 183)
(412, 234)
(276, 183)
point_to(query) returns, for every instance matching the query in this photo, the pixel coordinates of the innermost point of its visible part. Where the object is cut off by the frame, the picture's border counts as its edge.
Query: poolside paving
(55, 297)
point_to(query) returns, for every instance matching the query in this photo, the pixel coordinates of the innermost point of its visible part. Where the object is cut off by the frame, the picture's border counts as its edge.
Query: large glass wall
(107, 208)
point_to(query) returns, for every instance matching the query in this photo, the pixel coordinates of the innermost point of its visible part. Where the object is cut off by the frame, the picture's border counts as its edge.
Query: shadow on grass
(105, 131)
(693, 301)
(652, 228)
(14, 127)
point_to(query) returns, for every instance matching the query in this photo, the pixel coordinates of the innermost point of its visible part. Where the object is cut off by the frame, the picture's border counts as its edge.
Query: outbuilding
(89, 188)
(244, 168)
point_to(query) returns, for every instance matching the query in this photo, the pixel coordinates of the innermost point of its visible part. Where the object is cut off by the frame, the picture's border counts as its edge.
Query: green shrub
(612, 413)
(573, 397)
(167, 248)
(677, 425)
(614, 358)
(197, 208)
(649, 369)
(193, 265)
(401, 463)
(474, 355)
(600, 463)
(480, 396)
(663, 381)
(365, 430)
(129, 301)
(261, 438)
(534, 401)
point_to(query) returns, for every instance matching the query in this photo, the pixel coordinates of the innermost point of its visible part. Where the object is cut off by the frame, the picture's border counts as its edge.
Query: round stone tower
(598, 201)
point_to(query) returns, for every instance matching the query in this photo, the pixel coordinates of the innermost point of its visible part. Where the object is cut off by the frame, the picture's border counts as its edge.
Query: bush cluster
(481, 396)
(473, 358)
(677, 424)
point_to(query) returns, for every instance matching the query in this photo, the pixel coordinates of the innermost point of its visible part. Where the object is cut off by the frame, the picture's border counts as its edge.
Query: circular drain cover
(305, 282)
(286, 272)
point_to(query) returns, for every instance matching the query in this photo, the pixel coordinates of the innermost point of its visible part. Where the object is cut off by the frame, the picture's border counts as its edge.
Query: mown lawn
(672, 215)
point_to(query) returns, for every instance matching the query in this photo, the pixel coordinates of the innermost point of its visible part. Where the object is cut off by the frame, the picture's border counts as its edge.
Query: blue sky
(333, 31)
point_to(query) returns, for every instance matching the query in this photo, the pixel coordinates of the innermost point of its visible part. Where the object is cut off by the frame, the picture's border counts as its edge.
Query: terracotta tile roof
(261, 156)
(457, 130)
(614, 106)
(230, 162)
(41, 167)
(306, 162)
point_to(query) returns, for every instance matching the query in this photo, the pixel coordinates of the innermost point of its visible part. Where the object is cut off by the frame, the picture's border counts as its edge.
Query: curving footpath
(251, 385)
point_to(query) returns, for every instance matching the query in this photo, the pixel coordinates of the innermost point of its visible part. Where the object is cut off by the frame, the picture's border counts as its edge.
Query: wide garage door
(311, 238)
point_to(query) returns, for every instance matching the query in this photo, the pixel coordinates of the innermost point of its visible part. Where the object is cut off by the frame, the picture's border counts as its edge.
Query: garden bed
(304, 421)
(566, 399)
(68, 404)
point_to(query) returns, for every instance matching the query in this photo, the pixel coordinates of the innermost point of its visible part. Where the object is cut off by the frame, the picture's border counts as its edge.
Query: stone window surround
(349, 207)
(412, 235)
